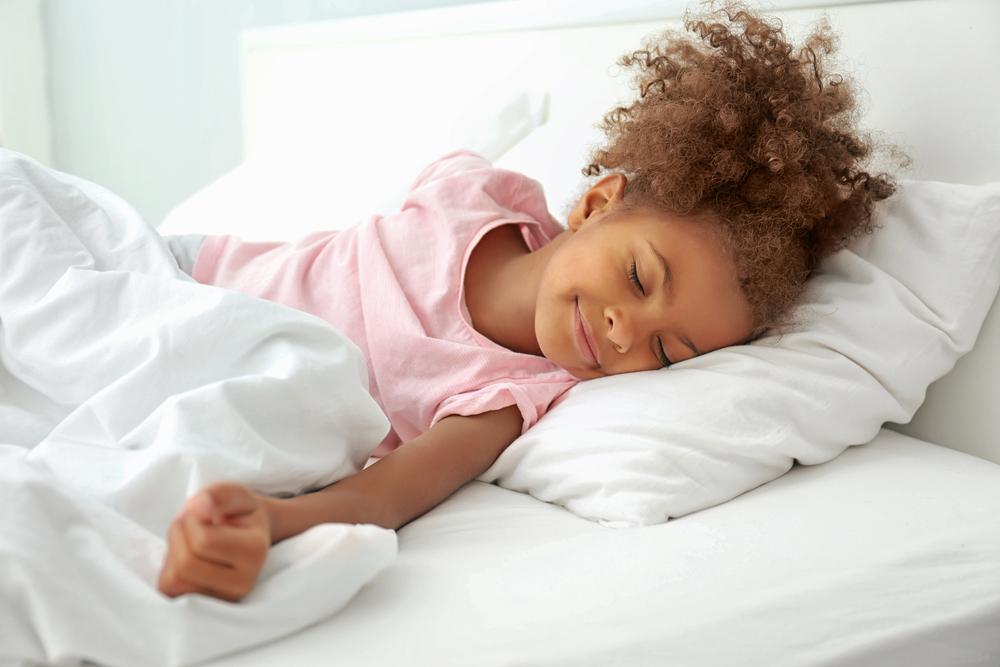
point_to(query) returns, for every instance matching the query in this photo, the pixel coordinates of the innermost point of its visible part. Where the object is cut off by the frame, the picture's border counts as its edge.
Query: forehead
(701, 236)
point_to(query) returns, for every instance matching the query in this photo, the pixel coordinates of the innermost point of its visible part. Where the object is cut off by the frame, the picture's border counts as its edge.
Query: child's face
(701, 303)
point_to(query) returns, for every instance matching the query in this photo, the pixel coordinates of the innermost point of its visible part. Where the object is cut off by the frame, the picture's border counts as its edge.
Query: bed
(887, 555)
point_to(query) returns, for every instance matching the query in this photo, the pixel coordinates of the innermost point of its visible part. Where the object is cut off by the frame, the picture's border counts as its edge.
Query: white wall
(24, 107)
(144, 94)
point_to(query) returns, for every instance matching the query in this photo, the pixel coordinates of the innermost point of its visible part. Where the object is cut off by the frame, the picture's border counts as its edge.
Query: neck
(513, 291)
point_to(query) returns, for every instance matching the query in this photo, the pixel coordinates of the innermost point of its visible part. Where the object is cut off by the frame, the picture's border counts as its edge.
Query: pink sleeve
(473, 181)
(493, 397)
(455, 162)
(533, 399)
(207, 269)
(271, 269)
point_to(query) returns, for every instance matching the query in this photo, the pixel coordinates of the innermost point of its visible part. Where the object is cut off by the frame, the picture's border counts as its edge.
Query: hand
(217, 544)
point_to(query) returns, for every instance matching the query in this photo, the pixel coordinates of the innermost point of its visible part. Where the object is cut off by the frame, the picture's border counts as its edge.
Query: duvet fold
(125, 387)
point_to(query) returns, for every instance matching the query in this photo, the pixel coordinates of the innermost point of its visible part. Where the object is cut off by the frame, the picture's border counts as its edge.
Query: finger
(222, 544)
(201, 505)
(215, 544)
(190, 574)
(200, 546)
(169, 581)
(231, 499)
(172, 585)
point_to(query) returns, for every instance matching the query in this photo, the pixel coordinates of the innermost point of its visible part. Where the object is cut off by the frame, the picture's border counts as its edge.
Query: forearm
(347, 501)
(390, 493)
(387, 493)
(405, 484)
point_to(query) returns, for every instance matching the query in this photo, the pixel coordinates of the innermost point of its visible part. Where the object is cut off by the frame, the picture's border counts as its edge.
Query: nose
(626, 327)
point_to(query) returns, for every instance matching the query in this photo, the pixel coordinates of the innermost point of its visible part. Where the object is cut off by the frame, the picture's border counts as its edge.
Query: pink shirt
(394, 286)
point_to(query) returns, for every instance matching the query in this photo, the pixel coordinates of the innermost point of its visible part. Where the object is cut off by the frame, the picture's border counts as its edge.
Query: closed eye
(634, 277)
(661, 354)
(664, 359)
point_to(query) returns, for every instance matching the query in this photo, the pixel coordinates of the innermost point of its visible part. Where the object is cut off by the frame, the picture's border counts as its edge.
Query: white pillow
(885, 318)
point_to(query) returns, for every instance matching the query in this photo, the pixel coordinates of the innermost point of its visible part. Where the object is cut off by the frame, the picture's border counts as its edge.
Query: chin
(583, 373)
(574, 370)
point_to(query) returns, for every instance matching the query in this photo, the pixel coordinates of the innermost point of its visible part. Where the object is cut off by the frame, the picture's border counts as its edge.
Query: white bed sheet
(888, 555)
(124, 388)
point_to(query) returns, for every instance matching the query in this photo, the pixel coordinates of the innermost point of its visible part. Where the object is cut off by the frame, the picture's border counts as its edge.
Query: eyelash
(633, 275)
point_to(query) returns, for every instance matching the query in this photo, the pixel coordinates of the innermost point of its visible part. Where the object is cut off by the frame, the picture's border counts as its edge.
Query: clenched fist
(217, 544)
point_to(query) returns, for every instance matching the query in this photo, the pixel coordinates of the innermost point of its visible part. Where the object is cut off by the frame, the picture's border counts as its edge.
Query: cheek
(553, 283)
(551, 310)
(546, 304)
(568, 270)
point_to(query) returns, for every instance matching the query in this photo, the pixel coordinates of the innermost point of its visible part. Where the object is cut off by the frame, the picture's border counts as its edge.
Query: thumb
(216, 502)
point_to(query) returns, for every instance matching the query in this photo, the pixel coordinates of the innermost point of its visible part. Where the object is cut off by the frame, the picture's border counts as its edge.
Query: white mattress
(888, 555)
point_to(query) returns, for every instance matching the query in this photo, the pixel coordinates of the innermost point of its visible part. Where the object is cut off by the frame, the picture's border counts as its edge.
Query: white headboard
(373, 99)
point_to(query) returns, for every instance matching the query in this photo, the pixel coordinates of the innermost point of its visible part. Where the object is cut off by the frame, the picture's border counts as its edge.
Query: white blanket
(125, 387)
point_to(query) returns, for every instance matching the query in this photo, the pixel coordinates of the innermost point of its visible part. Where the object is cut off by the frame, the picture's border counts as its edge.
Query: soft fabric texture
(393, 285)
(887, 556)
(125, 387)
(881, 320)
(185, 248)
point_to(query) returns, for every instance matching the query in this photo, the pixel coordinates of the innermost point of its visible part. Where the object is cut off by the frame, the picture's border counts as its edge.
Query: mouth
(583, 337)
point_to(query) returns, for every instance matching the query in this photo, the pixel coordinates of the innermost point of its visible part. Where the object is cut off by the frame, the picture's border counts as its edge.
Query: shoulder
(450, 164)
(466, 181)
(464, 172)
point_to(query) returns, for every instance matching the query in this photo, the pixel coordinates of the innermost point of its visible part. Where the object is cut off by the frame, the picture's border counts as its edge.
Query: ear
(600, 198)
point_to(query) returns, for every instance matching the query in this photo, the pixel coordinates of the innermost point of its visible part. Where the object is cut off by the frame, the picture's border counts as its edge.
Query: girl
(735, 170)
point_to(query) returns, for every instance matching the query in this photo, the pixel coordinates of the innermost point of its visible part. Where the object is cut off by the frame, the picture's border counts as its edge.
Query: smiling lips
(584, 341)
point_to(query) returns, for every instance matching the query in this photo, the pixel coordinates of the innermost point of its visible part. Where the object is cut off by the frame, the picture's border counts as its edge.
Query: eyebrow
(666, 277)
(666, 267)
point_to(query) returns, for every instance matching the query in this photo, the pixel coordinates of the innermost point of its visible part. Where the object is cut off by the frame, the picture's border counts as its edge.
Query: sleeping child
(735, 170)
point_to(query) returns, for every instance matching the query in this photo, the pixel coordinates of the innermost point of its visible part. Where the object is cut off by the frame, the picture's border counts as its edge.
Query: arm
(218, 542)
(407, 482)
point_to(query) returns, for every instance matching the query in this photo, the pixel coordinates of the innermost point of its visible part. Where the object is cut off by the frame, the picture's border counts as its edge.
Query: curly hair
(735, 127)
